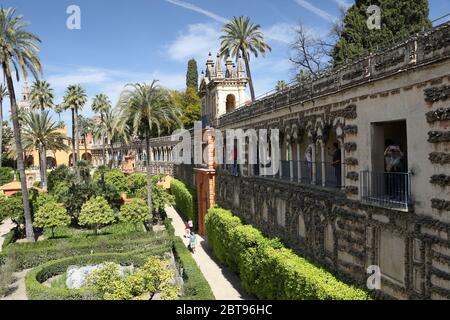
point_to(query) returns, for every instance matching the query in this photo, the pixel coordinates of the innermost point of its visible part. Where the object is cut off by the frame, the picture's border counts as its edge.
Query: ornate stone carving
(351, 190)
(350, 146)
(438, 136)
(439, 158)
(351, 161)
(440, 180)
(436, 94)
(441, 205)
(353, 176)
(351, 129)
(440, 114)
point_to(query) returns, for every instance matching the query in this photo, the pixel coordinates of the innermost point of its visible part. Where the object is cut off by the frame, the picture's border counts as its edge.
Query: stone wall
(346, 236)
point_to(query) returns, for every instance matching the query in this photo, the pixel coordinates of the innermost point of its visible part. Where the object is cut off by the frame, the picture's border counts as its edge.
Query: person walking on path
(192, 241)
(187, 230)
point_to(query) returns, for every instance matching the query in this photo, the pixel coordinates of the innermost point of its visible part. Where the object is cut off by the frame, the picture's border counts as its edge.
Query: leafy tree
(6, 175)
(148, 108)
(189, 103)
(399, 19)
(50, 215)
(240, 38)
(61, 174)
(95, 213)
(192, 75)
(135, 182)
(12, 207)
(117, 178)
(136, 212)
(19, 49)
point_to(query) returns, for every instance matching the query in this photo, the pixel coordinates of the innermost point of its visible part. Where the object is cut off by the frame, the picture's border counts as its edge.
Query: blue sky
(139, 40)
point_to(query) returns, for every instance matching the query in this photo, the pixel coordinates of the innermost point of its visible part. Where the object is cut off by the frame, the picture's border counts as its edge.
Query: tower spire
(219, 71)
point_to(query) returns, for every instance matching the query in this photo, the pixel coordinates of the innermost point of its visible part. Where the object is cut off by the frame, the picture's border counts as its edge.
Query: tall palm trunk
(19, 150)
(73, 137)
(249, 75)
(77, 137)
(103, 142)
(85, 148)
(44, 160)
(149, 175)
(111, 162)
(1, 130)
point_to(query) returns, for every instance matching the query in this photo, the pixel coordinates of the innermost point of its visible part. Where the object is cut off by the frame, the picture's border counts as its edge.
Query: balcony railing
(323, 174)
(388, 190)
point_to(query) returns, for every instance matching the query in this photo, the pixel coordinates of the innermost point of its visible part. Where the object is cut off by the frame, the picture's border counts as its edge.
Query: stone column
(299, 164)
(313, 180)
(322, 157)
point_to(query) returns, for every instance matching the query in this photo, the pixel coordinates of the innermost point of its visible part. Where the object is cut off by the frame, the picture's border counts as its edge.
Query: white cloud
(344, 4)
(317, 11)
(195, 42)
(195, 8)
(281, 32)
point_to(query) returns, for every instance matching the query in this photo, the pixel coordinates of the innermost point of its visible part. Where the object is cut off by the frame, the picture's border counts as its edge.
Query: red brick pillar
(206, 185)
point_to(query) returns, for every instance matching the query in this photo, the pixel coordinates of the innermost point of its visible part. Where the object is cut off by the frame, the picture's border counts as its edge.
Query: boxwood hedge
(38, 291)
(185, 200)
(195, 285)
(29, 255)
(266, 268)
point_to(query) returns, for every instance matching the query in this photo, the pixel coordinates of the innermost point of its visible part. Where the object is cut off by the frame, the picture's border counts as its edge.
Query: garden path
(5, 226)
(224, 283)
(19, 292)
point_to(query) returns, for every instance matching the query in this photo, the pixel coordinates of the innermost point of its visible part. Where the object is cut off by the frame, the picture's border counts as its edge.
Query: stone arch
(51, 163)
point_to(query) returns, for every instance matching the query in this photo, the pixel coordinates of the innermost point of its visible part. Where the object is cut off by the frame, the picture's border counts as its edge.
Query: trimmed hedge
(34, 279)
(195, 285)
(266, 268)
(185, 200)
(30, 255)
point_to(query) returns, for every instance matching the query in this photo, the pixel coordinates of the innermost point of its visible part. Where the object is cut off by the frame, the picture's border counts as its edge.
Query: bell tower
(222, 90)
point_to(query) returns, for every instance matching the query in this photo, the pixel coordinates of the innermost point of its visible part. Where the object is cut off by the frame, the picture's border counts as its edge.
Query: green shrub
(135, 183)
(50, 215)
(95, 213)
(12, 207)
(6, 274)
(136, 212)
(116, 178)
(29, 255)
(6, 175)
(195, 285)
(266, 268)
(62, 174)
(34, 279)
(185, 200)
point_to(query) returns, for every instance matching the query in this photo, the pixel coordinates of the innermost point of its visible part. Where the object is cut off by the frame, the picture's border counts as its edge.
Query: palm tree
(19, 49)
(40, 132)
(86, 127)
(41, 95)
(101, 105)
(281, 85)
(74, 100)
(149, 108)
(115, 128)
(3, 94)
(240, 38)
(42, 98)
(59, 108)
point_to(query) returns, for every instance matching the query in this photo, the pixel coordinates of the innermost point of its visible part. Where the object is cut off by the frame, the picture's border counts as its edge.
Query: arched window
(231, 103)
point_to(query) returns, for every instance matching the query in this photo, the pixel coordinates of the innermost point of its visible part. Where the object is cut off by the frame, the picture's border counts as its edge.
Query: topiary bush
(185, 200)
(96, 213)
(266, 268)
(62, 174)
(116, 178)
(51, 215)
(136, 182)
(136, 212)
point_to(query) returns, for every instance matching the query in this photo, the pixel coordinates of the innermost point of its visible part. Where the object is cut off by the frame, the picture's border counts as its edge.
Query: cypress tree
(192, 75)
(399, 19)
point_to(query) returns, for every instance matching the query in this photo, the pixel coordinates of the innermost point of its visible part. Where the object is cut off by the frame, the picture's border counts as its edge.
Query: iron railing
(386, 189)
